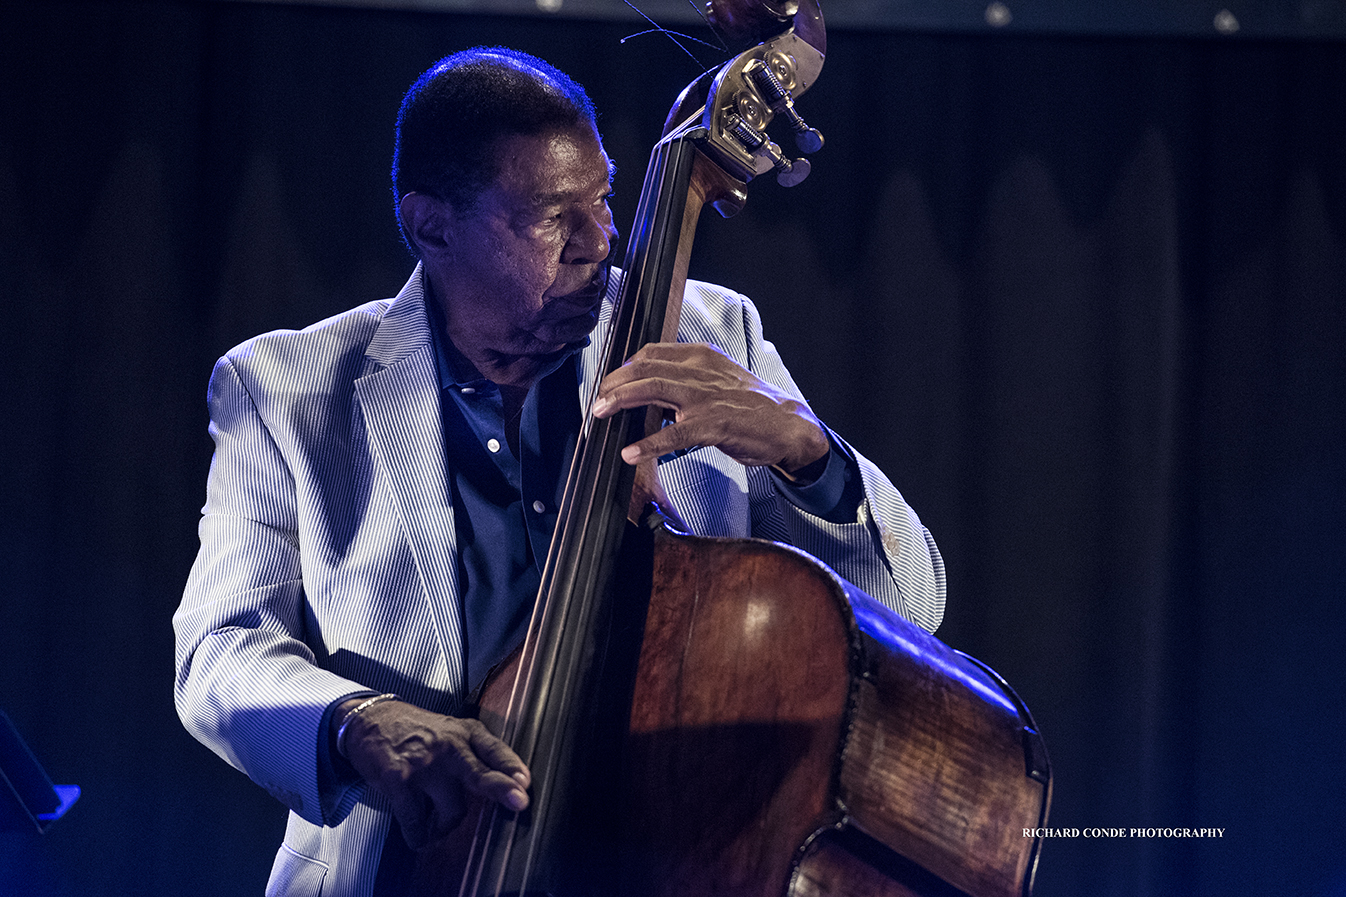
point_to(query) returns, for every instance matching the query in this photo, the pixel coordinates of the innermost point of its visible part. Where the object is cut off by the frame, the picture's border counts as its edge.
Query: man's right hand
(426, 764)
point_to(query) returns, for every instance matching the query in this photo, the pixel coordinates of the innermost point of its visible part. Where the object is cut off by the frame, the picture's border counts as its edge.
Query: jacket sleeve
(886, 551)
(247, 685)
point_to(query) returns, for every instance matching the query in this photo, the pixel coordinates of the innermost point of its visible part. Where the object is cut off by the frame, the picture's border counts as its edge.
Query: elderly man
(385, 483)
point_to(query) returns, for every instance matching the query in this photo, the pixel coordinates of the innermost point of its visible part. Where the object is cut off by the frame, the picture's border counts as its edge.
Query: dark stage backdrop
(1082, 298)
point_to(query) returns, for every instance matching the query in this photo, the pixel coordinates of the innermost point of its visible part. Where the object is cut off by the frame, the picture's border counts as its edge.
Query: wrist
(809, 463)
(347, 713)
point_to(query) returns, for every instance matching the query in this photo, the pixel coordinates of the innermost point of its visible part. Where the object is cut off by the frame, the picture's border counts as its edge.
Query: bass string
(610, 432)
(545, 610)
(677, 37)
(583, 511)
(566, 520)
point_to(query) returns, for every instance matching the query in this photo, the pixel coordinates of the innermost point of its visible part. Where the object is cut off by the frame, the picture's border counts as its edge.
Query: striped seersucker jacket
(327, 566)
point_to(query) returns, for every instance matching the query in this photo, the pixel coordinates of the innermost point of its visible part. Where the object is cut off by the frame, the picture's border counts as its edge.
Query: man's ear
(425, 221)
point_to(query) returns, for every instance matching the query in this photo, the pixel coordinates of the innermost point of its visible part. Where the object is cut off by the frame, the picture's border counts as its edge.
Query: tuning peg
(809, 140)
(788, 173)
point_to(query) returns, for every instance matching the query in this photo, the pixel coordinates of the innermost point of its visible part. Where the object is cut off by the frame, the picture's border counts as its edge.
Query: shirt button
(539, 507)
(468, 390)
(493, 445)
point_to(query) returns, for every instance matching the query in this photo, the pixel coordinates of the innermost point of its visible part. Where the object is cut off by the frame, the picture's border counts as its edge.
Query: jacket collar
(405, 327)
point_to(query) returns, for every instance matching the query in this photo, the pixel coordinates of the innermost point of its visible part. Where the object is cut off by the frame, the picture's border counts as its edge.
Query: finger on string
(500, 775)
(657, 393)
(675, 437)
(495, 754)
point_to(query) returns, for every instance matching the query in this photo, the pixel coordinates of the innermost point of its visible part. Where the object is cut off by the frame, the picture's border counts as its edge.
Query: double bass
(708, 716)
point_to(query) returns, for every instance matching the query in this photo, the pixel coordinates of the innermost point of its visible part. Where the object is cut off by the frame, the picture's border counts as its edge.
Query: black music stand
(27, 796)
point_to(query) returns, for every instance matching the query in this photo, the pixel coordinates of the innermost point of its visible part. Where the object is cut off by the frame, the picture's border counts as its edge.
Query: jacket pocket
(295, 875)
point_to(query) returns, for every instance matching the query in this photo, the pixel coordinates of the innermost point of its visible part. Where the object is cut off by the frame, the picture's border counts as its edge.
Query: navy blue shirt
(504, 503)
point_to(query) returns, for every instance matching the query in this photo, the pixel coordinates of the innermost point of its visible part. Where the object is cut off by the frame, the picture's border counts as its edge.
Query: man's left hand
(714, 401)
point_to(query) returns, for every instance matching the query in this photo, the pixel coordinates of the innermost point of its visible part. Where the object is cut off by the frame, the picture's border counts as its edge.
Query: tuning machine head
(748, 93)
(788, 172)
(766, 75)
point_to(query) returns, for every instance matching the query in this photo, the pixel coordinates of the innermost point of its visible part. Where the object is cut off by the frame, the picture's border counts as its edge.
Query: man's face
(528, 263)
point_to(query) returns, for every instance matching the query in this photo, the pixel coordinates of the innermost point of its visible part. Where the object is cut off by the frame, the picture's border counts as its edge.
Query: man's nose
(591, 241)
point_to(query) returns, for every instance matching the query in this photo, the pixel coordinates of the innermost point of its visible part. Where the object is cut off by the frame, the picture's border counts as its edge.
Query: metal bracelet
(356, 711)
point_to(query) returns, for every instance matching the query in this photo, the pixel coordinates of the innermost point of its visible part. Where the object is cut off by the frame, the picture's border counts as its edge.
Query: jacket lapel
(399, 398)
